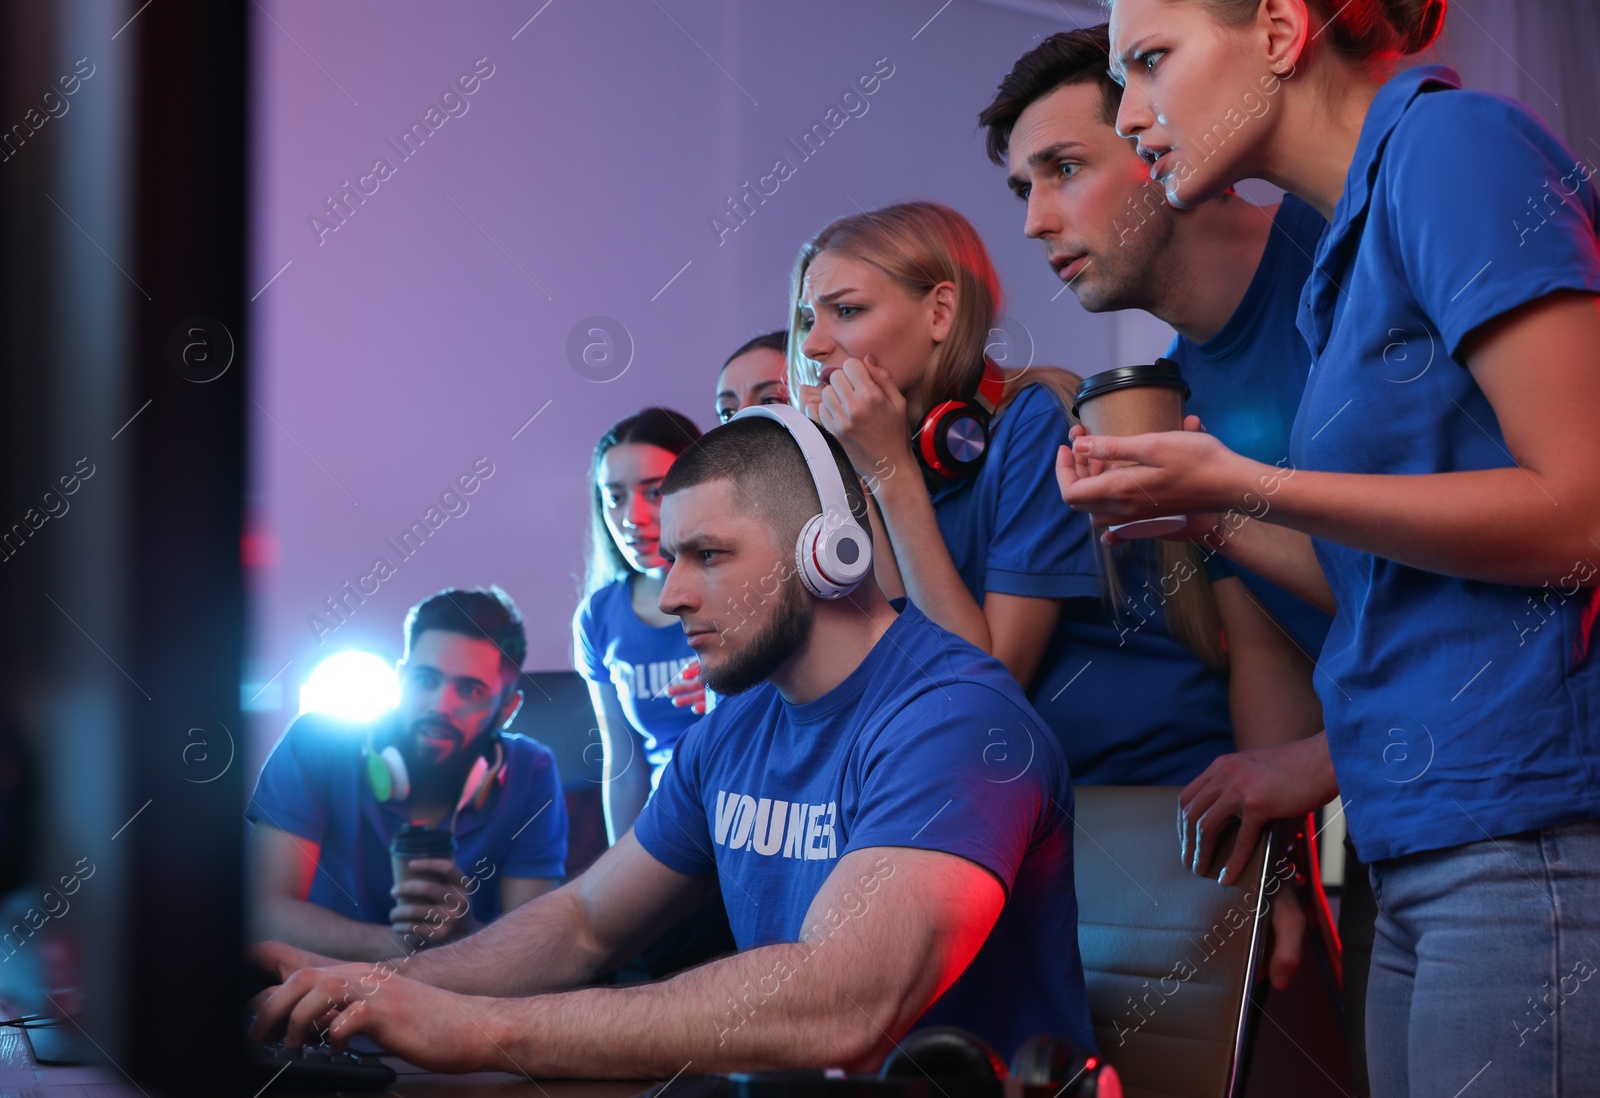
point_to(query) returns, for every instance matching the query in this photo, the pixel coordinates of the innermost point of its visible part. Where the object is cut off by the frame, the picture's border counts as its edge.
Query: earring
(1280, 68)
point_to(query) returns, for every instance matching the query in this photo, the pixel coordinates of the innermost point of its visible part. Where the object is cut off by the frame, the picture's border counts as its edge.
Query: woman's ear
(942, 302)
(1285, 26)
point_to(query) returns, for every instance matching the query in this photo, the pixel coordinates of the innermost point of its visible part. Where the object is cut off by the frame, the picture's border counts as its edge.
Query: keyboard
(305, 1067)
(58, 1043)
(314, 1067)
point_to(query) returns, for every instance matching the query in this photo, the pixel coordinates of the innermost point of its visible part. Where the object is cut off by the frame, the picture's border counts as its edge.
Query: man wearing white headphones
(334, 794)
(889, 819)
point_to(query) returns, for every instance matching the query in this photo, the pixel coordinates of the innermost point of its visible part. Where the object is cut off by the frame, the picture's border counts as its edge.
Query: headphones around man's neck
(954, 437)
(834, 553)
(391, 781)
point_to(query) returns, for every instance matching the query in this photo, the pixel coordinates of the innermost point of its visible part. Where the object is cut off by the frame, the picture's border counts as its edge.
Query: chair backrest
(1168, 956)
(557, 711)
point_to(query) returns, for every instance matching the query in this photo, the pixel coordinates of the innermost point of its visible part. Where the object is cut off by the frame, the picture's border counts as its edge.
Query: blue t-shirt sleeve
(540, 846)
(588, 646)
(1521, 224)
(291, 794)
(1041, 547)
(915, 794)
(673, 826)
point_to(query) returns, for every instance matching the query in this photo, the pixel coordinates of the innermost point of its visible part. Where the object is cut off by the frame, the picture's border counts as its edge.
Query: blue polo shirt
(1128, 703)
(928, 743)
(1246, 382)
(314, 785)
(611, 645)
(1456, 709)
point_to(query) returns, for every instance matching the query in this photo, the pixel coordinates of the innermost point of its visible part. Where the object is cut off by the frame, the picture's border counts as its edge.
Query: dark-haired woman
(757, 373)
(1446, 505)
(643, 677)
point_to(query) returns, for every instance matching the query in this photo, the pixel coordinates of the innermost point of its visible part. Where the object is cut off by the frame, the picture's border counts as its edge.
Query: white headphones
(834, 554)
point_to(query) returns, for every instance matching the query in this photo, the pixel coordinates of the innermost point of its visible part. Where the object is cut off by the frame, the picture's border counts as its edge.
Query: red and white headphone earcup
(833, 561)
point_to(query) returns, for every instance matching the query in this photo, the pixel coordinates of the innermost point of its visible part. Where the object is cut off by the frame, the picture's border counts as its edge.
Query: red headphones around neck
(954, 436)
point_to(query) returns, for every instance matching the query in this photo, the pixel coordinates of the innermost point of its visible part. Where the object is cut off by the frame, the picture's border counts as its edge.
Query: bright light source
(356, 686)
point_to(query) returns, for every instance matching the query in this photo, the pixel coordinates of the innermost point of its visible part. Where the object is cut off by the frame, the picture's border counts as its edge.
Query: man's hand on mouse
(432, 908)
(433, 1029)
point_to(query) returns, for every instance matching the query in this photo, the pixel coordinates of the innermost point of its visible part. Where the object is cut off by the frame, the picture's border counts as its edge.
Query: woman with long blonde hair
(891, 310)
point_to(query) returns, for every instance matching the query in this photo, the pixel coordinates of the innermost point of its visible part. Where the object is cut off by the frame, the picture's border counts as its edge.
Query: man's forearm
(772, 1007)
(838, 997)
(312, 926)
(1271, 701)
(544, 945)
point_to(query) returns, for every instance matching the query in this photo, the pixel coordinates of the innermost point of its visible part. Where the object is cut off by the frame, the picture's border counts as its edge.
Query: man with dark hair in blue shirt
(889, 820)
(1227, 275)
(334, 794)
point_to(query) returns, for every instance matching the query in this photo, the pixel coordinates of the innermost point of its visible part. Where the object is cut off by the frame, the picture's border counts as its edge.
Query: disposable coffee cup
(417, 841)
(1135, 400)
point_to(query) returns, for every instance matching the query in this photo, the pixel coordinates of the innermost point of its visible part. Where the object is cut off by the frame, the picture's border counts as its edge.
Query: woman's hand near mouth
(862, 408)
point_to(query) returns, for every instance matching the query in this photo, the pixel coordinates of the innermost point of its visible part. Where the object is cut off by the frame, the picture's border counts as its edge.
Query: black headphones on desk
(949, 1052)
(937, 1062)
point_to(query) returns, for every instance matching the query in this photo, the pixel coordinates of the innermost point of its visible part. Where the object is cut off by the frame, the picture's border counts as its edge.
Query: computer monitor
(122, 300)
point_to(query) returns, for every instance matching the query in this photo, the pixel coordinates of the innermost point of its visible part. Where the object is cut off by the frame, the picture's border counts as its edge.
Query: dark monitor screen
(123, 195)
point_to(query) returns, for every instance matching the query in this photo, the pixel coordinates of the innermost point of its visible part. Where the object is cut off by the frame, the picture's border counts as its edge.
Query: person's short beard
(472, 745)
(1133, 273)
(767, 650)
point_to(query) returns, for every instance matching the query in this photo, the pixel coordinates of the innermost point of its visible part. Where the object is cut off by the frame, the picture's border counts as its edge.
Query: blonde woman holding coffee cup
(891, 311)
(1446, 506)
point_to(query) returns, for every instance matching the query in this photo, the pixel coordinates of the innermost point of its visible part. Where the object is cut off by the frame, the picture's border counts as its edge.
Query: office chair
(1169, 957)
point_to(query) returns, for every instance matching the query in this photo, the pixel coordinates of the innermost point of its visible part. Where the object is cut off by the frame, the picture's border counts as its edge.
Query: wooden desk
(19, 1075)
(424, 1084)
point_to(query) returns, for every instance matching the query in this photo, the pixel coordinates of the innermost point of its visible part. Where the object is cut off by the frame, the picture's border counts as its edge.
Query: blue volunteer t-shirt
(612, 645)
(1456, 709)
(1247, 380)
(1128, 703)
(314, 785)
(927, 744)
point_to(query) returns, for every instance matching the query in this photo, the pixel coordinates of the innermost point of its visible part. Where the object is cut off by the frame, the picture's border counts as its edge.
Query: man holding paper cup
(373, 840)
